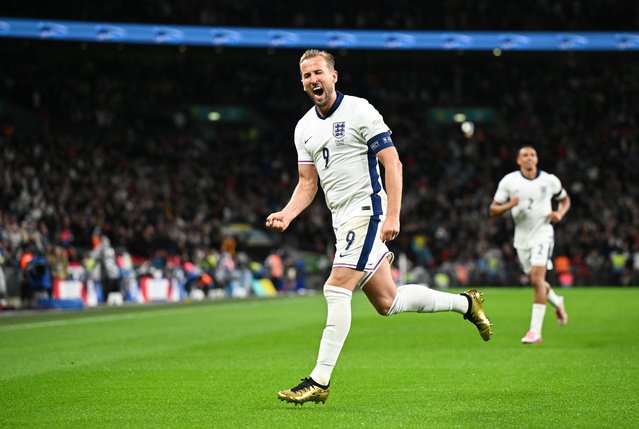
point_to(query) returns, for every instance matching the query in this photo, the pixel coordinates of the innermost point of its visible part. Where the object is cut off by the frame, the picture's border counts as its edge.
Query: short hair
(526, 146)
(310, 53)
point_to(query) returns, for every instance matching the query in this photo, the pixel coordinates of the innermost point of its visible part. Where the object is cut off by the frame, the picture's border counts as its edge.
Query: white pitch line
(79, 321)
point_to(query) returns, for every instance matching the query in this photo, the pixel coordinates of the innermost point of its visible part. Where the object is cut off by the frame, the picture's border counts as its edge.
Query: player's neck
(529, 174)
(325, 110)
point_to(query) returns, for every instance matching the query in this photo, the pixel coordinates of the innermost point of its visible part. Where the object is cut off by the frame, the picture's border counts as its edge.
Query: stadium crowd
(603, 15)
(113, 140)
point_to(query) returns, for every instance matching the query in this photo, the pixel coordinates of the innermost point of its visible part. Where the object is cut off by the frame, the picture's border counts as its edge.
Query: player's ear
(334, 76)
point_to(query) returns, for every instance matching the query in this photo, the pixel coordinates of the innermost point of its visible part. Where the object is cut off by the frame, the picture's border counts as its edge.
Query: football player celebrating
(340, 141)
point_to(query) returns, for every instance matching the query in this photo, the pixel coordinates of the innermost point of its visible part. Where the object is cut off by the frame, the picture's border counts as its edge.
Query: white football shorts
(359, 247)
(539, 254)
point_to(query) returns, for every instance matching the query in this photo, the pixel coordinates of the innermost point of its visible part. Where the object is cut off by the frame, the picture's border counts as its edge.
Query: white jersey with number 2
(531, 214)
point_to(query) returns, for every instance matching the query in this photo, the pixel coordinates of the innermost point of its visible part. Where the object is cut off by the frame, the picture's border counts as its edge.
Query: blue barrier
(64, 304)
(159, 34)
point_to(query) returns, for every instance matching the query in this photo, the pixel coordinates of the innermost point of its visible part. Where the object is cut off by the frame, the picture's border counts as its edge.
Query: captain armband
(379, 142)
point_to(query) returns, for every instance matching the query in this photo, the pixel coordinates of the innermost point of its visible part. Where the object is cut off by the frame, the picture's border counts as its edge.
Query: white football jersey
(531, 214)
(343, 147)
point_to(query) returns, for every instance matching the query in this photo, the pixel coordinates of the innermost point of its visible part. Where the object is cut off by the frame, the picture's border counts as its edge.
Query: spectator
(79, 150)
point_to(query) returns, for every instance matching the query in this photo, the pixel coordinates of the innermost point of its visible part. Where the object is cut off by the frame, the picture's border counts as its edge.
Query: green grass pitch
(220, 364)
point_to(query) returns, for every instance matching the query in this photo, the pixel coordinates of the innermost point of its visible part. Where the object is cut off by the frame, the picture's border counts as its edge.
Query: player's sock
(553, 298)
(537, 318)
(422, 299)
(338, 323)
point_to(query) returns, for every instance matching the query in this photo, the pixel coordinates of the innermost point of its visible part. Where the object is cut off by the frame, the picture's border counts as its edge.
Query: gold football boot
(476, 315)
(306, 391)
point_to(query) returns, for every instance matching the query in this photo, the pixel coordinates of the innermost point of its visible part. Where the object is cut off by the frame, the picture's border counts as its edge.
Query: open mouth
(318, 91)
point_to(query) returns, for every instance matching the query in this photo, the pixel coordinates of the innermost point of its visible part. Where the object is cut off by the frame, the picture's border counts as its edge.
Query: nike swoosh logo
(341, 255)
(306, 141)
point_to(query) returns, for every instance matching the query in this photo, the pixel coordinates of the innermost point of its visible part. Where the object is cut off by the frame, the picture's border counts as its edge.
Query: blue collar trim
(536, 176)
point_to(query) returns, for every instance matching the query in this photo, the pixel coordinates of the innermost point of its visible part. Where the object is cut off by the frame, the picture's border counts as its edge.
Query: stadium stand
(356, 14)
(116, 141)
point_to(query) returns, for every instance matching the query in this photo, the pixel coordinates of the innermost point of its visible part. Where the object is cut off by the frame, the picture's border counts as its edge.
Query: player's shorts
(539, 254)
(359, 247)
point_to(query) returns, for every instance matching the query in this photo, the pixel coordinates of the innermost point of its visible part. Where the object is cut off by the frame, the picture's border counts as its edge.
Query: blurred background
(145, 172)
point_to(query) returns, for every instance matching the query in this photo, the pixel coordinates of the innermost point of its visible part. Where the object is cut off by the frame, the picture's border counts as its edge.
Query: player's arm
(562, 209)
(389, 158)
(498, 209)
(302, 197)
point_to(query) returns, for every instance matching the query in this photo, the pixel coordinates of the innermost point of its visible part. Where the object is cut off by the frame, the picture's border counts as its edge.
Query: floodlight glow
(459, 117)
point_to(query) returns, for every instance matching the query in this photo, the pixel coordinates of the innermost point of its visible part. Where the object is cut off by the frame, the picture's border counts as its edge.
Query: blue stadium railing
(317, 38)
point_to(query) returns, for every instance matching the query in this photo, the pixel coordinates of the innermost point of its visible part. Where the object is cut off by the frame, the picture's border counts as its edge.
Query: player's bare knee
(538, 282)
(383, 306)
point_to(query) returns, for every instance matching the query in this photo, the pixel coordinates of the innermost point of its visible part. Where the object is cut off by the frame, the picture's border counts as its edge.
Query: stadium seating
(120, 138)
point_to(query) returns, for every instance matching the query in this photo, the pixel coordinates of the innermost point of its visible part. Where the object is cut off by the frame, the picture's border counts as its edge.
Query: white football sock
(537, 319)
(338, 323)
(422, 299)
(553, 298)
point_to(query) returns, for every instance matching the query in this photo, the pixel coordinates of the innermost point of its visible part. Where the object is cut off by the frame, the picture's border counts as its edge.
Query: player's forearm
(302, 197)
(564, 206)
(497, 209)
(393, 180)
